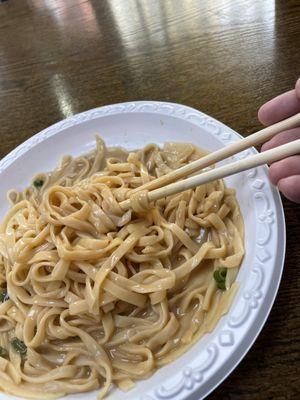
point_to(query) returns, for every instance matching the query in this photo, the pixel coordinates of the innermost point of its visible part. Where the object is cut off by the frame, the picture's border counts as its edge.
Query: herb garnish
(3, 296)
(3, 352)
(19, 346)
(38, 183)
(220, 277)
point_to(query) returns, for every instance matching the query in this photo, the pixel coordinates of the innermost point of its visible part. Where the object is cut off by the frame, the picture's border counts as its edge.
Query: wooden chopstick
(256, 160)
(219, 155)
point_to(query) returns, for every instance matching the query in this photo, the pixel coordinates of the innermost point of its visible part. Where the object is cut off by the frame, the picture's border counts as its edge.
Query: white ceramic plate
(131, 125)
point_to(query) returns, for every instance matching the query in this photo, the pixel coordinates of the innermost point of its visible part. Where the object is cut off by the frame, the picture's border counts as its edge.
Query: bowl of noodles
(158, 301)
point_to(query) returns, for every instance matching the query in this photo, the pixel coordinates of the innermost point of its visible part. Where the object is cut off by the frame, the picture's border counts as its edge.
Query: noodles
(98, 295)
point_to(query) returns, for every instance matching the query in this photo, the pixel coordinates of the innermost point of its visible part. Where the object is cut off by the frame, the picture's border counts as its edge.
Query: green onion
(38, 183)
(3, 296)
(3, 352)
(220, 278)
(19, 346)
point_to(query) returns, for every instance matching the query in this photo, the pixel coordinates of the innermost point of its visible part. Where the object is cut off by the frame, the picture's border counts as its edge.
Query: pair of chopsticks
(163, 186)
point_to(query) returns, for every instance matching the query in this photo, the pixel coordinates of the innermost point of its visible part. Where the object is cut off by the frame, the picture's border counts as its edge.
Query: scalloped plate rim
(114, 109)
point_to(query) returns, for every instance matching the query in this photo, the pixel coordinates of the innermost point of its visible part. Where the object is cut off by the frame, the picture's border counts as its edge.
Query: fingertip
(290, 187)
(263, 114)
(281, 138)
(279, 108)
(285, 168)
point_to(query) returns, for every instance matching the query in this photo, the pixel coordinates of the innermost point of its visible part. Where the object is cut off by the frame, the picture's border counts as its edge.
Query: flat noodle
(102, 296)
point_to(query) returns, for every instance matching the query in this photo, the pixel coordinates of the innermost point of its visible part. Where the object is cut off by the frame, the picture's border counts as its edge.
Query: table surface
(223, 57)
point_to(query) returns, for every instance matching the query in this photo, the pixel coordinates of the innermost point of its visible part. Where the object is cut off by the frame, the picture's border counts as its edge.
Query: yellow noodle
(100, 295)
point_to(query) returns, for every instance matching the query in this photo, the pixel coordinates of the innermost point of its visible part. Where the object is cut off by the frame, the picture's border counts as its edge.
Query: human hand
(284, 173)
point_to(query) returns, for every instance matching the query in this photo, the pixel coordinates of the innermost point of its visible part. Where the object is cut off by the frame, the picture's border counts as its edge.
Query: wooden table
(224, 57)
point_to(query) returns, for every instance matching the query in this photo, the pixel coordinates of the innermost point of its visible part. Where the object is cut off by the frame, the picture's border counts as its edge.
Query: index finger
(281, 107)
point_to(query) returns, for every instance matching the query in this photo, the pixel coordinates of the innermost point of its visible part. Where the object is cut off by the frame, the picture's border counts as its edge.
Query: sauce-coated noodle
(98, 295)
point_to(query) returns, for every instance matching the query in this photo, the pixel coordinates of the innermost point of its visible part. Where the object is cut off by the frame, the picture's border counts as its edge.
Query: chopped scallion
(3, 296)
(3, 352)
(220, 277)
(38, 183)
(19, 346)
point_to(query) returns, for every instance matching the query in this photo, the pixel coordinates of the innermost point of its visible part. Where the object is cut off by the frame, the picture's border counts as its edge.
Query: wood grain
(223, 57)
